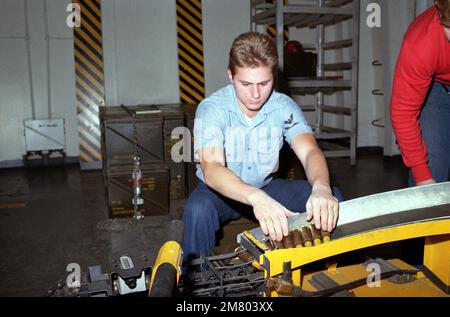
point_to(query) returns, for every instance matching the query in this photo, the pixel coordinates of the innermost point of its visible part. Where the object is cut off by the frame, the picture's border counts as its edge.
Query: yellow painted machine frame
(437, 259)
(436, 249)
(170, 253)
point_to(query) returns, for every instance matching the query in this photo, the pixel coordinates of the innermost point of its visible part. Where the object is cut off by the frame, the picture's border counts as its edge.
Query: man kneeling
(238, 133)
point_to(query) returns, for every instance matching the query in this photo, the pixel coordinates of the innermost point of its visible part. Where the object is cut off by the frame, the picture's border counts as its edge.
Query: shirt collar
(268, 107)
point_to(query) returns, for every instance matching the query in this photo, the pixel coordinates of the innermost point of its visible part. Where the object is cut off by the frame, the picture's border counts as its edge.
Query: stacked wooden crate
(146, 130)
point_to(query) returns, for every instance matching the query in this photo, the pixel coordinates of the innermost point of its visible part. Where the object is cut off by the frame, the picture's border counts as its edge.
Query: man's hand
(272, 216)
(427, 182)
(323, 207)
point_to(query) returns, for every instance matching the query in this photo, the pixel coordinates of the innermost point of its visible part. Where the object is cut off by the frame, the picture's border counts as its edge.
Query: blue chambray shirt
(251, 151)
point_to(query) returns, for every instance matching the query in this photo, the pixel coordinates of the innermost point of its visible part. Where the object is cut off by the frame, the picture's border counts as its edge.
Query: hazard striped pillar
(271, 28)
(272, 32)
(89, 80)
(190, 51)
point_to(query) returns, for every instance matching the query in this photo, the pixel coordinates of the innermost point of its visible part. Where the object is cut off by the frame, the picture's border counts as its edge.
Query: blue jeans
(206, 211)
(435, 126)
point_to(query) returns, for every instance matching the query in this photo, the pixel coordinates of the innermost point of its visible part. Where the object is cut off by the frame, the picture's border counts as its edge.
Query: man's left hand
(323, 207)
(427, 182)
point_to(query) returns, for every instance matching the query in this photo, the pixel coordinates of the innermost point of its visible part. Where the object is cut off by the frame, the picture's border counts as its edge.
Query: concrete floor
(56, 216)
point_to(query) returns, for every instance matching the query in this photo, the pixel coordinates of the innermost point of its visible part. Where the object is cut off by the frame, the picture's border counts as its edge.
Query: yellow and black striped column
(89, 79)
(190, 51)
(272, 30)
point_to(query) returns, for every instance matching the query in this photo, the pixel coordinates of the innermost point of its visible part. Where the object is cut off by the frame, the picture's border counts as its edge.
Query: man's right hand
(272, 216)
(427, 182)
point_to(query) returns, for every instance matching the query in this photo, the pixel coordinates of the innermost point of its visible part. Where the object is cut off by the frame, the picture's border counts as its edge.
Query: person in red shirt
(420, 103)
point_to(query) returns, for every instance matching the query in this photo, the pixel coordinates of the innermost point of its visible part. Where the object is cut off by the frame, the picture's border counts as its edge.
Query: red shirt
(424, 57)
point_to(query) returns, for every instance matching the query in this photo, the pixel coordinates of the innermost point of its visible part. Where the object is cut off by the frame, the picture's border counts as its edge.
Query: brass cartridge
(307, 237)
(297, 238)
(326, 236)
(278, 244)
(316, 237)
(287, 241)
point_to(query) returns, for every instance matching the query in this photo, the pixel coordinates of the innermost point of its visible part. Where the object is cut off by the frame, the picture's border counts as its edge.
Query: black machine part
(165, 281)
(128, 266)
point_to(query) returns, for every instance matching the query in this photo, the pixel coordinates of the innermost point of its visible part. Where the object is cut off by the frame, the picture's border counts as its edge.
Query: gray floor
(56, 216)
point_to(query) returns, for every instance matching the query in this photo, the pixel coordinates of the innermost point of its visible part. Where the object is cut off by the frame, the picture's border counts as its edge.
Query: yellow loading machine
(364, 222)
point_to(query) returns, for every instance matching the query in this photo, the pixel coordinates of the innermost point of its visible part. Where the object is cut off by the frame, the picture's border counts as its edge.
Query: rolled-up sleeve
(208, 127)
(294, 123)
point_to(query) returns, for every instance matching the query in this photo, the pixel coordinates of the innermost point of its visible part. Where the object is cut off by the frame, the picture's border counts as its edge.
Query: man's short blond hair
(253, 50)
